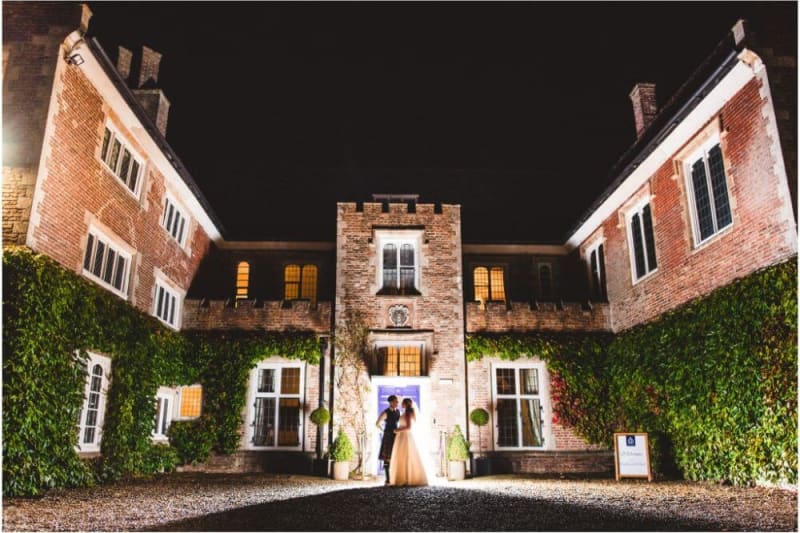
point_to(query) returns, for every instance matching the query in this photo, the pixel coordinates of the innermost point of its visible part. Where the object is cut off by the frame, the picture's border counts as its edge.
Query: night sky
(515, 111)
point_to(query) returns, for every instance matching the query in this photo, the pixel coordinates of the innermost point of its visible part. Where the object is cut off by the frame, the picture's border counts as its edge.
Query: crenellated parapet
(261, 315)
(497, 317)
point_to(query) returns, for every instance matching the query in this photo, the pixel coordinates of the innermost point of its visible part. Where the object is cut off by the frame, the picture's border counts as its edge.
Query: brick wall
(250, 315)
(439, 307)
(496, 317)
(32, 33)
(78, 189)
(763, 231)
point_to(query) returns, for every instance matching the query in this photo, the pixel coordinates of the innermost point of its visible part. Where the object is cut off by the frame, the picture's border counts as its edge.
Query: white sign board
(632, 455)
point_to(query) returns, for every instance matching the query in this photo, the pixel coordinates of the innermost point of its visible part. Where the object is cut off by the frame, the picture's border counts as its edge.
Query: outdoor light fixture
(75, 59)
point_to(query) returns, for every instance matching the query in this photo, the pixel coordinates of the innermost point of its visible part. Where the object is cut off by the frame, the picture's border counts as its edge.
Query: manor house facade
(703, 197)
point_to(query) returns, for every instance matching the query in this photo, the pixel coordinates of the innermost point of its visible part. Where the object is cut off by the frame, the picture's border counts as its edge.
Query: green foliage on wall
(713, 382)
(52, 317)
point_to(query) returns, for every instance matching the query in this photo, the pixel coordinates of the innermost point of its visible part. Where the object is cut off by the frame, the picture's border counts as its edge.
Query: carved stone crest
(398, 315)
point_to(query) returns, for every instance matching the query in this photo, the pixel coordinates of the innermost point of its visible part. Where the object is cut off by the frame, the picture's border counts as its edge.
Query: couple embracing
(401, 459)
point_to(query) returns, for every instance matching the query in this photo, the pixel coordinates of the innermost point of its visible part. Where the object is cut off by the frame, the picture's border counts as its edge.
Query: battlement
(256, 314)
(396, 208)
(498, 317)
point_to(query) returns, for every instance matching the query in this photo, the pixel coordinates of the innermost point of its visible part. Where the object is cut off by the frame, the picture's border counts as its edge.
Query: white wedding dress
(406, 466)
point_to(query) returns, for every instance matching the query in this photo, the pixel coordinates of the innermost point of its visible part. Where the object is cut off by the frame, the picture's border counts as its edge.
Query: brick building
(703, 197)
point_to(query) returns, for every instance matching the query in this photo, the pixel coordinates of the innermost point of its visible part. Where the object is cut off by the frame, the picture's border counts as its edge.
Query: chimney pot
(643, 97)
(148, 69)
(124, 58)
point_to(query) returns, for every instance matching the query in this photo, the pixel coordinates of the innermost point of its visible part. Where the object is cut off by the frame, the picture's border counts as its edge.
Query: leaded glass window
(643, 241)
(277, 406)
(519, 407)
(712, 210)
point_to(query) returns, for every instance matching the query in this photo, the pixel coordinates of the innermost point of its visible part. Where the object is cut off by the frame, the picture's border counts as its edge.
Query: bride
(407, 466)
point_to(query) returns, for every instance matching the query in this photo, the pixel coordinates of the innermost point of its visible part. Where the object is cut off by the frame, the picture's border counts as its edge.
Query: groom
(390, 416)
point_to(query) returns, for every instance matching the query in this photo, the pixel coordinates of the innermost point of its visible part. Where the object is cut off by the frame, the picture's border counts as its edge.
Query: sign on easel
(632, 455)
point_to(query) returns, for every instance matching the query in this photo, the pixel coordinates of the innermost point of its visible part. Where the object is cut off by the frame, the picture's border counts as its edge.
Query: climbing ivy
(51, 318)
(714, 382)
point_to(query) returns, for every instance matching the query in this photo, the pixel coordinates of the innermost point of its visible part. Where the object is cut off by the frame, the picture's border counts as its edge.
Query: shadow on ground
(433, 509)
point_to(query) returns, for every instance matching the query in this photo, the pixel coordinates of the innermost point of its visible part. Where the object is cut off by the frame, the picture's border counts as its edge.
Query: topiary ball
(479, 416)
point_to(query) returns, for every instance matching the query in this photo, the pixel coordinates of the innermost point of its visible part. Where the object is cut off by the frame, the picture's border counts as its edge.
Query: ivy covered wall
(714, 382)
(51, 318)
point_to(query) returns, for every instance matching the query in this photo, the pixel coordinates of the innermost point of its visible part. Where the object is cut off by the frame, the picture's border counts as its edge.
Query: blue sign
(630, 440)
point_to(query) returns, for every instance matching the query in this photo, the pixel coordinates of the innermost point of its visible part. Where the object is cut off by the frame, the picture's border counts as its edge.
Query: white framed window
(596, 263)
(276, 406)
(107, 262)
(175, 221)
(546, 288)
(165, 406)
(398, 261)
(167, 303)
(707, 187)
(90, 425)
(189, 402)
(120, 158)
(521, 405)
(641, 241)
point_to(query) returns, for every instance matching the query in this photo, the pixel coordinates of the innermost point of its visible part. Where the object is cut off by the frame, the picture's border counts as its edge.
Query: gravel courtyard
(220, 502)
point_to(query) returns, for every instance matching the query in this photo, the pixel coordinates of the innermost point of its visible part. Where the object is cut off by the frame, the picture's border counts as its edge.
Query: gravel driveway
(250, 502)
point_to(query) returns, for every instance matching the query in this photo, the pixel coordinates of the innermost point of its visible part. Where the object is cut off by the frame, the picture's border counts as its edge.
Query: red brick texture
(761, 234)
(269, 316)
(439, 307)
(77, 187)
(520, 316)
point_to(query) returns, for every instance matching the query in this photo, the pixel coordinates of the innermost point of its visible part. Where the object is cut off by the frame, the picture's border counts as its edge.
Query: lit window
(106, 263)
(174, 221)
(597, 273)
(90, 428)
(190, 399)
(167, 304)
(300, 282)
(121, 160)
(242, 280)
(640, 231)
(276, 413)
(711, 209)
(519, 407)
(404, 360)
(489, 284)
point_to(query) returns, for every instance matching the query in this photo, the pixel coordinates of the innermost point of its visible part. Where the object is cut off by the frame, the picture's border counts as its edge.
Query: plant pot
(321, 468)
(456, 470)
(482, 466)
(341, 470)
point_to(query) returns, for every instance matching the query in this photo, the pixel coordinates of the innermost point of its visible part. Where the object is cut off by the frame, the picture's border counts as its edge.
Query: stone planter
(456, 470)
(341, 470)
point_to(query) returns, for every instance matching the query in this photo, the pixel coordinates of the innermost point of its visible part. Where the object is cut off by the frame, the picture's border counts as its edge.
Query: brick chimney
(643, 97)
(141, 74)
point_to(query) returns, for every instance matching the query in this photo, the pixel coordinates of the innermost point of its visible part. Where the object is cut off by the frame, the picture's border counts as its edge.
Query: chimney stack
(643, 97)
(141, 74)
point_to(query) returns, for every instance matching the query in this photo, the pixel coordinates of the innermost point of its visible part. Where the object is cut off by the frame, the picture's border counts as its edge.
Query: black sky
(516, 111)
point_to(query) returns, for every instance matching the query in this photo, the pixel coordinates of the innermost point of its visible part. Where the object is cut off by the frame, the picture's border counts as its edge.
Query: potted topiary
(482, 465)
(341, 453)
(320, 417)
(457, 452)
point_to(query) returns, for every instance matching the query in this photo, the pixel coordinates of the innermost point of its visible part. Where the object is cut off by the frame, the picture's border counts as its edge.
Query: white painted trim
(701, 152)
(544, 397)
(168, 394)
(171, 288)
(120, 248)
(537, 249)
(252, 394)
(125, 144)
(176, 415)
(181, 210)
(105, 381)
(634, 209)
(277, 245)
(105, 87)
(732, 83)
(398, 238)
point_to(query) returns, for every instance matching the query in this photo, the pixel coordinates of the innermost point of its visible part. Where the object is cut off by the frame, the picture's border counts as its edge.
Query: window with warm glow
(191, 400)
(300, 283)
(489, 284)
(277, 397)
(400, 360)
(242, 280)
